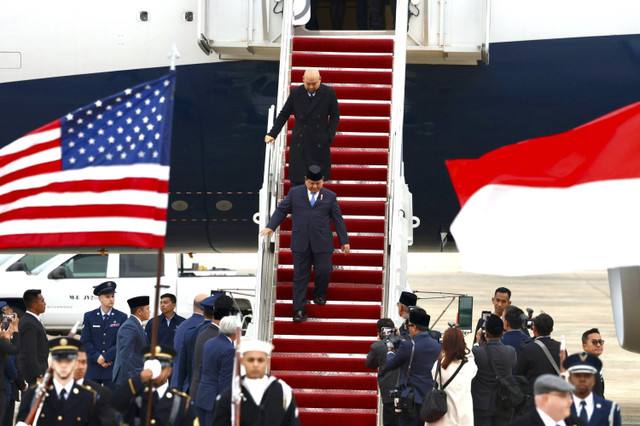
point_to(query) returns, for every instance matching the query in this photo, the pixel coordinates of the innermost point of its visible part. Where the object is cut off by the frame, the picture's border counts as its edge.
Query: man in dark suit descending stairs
(311, 104)
(313, 208)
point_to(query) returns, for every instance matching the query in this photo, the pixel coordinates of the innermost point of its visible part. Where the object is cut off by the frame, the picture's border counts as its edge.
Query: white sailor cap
(255, 345)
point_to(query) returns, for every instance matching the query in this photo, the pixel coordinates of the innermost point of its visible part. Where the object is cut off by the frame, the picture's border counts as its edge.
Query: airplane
(553, 66)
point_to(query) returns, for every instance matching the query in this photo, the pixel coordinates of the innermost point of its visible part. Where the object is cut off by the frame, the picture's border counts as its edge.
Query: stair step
(309, 362)
(356, 156)
(301, 379)
(329, 44)
(336, 291)
(380, 125)
(331, 311)
(340, 259)
(321, 345)
(323, 398)
(333, 76)
(356, 141)
(339, 276)
(378, 190)
(357, 242)
(364, 109)
(323, 328)
(326, 416)
(322, 60)
(374, 226)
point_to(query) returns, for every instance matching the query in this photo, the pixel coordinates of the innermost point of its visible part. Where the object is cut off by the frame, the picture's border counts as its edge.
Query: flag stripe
(92, 224)
(75, 239)
(71, 211)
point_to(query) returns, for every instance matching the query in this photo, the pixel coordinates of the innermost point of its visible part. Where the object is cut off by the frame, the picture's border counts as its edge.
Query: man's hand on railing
(266, 231)
(345, 248)
(268, 139)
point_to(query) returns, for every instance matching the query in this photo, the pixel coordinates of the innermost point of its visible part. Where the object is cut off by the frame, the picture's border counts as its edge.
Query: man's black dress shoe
(300, 316)
(320, 301)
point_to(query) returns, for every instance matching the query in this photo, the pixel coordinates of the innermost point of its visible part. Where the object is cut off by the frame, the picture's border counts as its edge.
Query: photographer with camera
(377, 359)
(415, 358)
(8, 331)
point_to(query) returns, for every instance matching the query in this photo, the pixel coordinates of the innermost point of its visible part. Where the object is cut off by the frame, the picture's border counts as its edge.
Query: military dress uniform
(78, 407)
(99, 337)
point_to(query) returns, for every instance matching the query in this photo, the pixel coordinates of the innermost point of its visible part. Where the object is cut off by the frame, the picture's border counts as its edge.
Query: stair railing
(399, 207)
(272, 188)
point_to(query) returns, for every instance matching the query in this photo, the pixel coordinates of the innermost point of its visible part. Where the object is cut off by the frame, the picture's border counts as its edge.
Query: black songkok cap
(137, 302)
(408, 299)
(494, 326)
(419, 317)
(314, 172)
(104, 288)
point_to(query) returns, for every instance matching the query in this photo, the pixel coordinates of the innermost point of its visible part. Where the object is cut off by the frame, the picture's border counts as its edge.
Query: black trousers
(389, 417)
(322, 266)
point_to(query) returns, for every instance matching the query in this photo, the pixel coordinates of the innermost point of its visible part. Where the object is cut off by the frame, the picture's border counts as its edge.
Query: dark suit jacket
(311, 136)
(79, 408)
(8, 369)
(188, 324)
(532, 418)
(601, 411)
(516, 339)
(311, 225)
(99, 338)
(218, 355)
(185, 369)
(166, 334)
(387, 378)
(205, 335)
(533, 362)
(485, 384)
(130, 342)
(34, 352)
(426, 352)
(105, 413)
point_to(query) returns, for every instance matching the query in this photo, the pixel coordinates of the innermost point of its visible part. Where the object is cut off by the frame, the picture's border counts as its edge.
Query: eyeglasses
(596, 342)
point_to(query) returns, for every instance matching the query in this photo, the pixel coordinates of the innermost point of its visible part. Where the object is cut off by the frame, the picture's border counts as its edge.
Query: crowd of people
(508, 376)
(111, 373)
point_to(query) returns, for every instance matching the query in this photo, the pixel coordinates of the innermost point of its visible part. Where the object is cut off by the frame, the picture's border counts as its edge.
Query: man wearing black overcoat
(312, 208)
(311, 103)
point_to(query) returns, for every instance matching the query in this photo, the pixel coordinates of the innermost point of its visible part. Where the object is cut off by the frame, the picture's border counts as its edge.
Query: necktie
(63, 397)
(583, 412)
(313, 198)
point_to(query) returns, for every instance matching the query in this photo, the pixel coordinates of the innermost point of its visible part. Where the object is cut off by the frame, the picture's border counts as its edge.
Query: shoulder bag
(434, 406)
(508, 393)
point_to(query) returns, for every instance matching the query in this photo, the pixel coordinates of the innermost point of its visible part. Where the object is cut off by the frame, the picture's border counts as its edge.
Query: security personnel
(170, 407)
(593, 410)
(66, 402)
(99, 333)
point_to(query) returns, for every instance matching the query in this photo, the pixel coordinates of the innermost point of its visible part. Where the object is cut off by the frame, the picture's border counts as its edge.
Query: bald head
(311, 80)
(196, 302)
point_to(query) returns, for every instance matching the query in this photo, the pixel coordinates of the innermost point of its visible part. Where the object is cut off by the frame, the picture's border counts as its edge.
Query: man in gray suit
(311, 104)
(130, 341)
(312, 209)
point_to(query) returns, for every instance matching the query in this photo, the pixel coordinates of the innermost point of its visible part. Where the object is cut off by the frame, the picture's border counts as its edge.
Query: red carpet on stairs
(322, 359)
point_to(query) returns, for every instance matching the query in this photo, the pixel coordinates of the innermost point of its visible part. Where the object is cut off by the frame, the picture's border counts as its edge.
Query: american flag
(97, 177)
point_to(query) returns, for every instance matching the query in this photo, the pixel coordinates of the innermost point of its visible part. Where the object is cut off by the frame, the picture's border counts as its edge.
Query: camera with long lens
(527, 320)
(389, 335)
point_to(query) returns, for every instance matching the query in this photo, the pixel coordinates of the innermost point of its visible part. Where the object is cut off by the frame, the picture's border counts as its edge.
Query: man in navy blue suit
(425, 352)
(312, 209)
(592, 409)
(168, 321)
(99, 333)
(196, 318)
(130, 341)
(218, 354)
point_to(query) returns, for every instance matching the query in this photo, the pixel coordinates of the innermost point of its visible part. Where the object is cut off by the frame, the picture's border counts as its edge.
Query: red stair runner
(322, 359)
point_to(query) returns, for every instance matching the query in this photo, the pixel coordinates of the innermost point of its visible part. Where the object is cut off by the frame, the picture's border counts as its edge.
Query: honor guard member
(266, 401)
(593, 410)
(99, 334)
(66, 402)
(169, 406)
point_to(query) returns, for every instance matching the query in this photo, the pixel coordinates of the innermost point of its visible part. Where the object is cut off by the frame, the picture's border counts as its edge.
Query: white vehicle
(67, 282)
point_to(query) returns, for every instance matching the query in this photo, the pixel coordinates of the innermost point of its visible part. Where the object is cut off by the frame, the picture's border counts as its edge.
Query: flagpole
(154, 331)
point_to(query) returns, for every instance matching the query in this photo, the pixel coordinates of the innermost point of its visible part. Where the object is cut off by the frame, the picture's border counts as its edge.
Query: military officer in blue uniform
(592, 409)
(99, 333)
(66, 402)
(169, 406)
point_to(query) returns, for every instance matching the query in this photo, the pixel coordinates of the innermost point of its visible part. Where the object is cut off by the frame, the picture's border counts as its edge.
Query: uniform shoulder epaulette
(88, 389)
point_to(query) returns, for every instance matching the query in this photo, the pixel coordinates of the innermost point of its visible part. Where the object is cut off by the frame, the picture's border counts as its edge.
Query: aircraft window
(86, 266)
(32, 261)
(138, 265)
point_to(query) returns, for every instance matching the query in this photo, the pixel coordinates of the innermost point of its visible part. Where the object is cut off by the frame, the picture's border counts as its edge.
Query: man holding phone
(8, 331)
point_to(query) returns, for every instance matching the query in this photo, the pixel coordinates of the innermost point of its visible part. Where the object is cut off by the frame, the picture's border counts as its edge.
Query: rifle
(236, 389)
(39, 397)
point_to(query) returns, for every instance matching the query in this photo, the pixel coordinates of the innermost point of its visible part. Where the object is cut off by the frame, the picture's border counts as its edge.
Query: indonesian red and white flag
(553, 204)
(98, 177)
